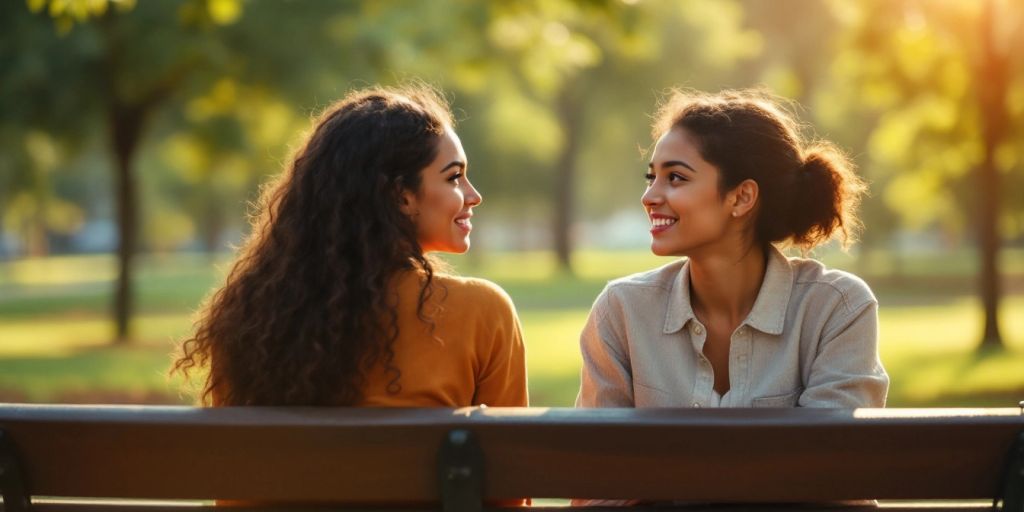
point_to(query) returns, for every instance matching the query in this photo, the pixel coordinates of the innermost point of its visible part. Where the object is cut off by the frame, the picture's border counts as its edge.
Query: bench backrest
(391, 455)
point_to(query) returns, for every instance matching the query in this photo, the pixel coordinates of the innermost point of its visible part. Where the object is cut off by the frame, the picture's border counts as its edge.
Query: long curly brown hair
(309, 304)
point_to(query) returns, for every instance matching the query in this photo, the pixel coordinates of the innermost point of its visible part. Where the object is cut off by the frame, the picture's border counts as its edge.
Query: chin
(459, 248)
(661, 250)
(658, 250)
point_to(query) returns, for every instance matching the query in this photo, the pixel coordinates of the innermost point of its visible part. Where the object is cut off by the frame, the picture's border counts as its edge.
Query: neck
(725, 286)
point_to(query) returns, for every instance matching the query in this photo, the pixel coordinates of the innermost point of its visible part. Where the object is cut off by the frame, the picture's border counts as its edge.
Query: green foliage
(915, 68)
(66, 13)
(893, 82)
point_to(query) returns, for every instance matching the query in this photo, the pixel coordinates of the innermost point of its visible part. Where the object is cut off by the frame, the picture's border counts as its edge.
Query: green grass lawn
(54, 335)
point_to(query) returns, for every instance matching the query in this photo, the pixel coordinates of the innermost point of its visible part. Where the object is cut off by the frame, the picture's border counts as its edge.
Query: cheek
(453, 202)
(701, 207)
(709, 198)
(687, 203)
(430, 201)
(437, 209)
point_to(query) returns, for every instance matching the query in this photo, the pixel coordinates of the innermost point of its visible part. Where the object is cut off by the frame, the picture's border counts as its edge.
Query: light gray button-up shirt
(811, 340)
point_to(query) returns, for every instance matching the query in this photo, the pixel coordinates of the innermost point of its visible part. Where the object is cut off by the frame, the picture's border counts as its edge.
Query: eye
(649, 178)
(675, 176)
(454, 178)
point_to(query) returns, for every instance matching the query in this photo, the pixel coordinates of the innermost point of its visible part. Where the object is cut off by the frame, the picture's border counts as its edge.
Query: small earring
(734, 214)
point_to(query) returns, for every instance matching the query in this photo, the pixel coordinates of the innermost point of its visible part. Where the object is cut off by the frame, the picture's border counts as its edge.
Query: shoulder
(472, 290)
(661, 278)
(644, 292)
(818, 282)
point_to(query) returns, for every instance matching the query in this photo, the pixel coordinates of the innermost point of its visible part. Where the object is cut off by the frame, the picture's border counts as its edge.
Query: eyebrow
(672, 163)
(460, 165)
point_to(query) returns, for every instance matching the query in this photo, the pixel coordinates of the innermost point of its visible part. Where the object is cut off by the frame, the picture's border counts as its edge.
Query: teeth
(660, 222)
(462, 222)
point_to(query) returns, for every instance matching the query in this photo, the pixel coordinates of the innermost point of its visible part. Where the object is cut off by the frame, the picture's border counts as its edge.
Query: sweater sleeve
(502, 381)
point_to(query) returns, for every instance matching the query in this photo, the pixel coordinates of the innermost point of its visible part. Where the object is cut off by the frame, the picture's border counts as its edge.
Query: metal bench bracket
(1013, 480)
(460, 472)
(12, 484)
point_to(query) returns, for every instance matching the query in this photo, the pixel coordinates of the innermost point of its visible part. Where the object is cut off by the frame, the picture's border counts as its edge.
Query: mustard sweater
(470, 352)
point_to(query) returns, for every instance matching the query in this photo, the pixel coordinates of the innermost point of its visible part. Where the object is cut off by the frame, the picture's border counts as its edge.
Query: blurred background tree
(113, 68)
(940, 79)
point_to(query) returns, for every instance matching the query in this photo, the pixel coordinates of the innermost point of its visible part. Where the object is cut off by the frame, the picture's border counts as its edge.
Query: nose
(472, 197)
(651, 197)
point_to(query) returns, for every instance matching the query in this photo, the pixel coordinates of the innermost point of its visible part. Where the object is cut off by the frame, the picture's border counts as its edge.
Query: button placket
(704, 381)
(743, 348)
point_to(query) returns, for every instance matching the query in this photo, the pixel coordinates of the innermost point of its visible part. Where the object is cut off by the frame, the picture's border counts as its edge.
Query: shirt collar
(769, 312)
(679, 309)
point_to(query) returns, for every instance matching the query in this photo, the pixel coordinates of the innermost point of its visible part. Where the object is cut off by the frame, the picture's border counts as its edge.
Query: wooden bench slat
(389, 455)
(45, 506)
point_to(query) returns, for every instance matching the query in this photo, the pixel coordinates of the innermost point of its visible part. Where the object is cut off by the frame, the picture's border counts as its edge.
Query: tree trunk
(213, 230)
(570, 114)
(127, 115)
(38, 243)
(992, 91)
(126, 126)
(38, 239)
(4, 251)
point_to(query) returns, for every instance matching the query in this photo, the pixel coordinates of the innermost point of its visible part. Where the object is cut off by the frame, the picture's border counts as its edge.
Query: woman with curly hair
(737, 323)
(335, 299)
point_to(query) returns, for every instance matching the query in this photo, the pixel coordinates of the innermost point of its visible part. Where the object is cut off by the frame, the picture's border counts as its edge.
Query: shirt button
(697, 329)
(696, 405)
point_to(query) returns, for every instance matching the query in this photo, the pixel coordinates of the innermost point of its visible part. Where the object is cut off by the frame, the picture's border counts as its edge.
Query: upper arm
(502, 381)
(606, 378)
(847, 371)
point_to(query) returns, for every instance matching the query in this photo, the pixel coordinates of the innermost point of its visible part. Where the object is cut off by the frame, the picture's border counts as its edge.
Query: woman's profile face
(682, 201)
(443, 205)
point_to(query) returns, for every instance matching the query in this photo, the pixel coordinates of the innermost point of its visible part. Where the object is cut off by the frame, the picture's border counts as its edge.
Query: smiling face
(443, 205)
(688, 214)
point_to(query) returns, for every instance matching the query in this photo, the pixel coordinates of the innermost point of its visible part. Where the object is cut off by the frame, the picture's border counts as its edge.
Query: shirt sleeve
(606, 379)
(503, 381)
(847, 371)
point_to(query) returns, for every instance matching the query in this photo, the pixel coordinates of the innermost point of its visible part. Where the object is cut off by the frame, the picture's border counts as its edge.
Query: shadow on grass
(983, 378)
(994, 398)
(97, 396)
(112, 375)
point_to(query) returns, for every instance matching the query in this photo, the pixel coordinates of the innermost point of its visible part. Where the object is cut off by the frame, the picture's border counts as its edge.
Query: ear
(743, 198)
(408, 203)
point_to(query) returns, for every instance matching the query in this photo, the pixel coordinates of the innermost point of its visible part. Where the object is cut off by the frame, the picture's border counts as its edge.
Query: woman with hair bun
(335, 298)
(737, 323)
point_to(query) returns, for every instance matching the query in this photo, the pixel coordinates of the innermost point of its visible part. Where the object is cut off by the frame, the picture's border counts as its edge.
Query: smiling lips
(660, 222)
(464, 223)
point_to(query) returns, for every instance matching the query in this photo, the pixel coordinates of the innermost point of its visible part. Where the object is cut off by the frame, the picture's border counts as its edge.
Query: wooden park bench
(57, 458)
